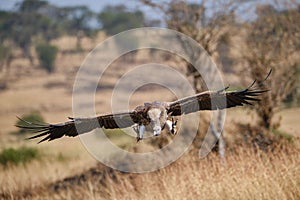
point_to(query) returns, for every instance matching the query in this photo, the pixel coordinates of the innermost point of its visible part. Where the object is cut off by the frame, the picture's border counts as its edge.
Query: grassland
(65, 170)
(247, 174)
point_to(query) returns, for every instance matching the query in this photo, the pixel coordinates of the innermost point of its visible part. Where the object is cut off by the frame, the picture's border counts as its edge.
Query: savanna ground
(65, 170)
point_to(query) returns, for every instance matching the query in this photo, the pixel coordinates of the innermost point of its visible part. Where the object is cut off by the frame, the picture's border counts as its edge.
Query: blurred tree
(20, 27)
(4, 49)
(31, 5)
(14, 29)
(273, 42)
(115, 19)
(47, 54)
(48, 26)
(76, 21)
(5, 59)
(24, 24)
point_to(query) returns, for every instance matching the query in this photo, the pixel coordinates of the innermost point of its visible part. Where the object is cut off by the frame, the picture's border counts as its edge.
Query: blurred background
(43, 44)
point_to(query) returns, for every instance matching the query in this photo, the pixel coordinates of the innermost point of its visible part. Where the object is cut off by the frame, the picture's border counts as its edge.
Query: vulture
(154, 116)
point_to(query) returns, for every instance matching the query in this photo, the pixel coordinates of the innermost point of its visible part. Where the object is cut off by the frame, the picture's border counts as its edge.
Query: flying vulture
(153, 116)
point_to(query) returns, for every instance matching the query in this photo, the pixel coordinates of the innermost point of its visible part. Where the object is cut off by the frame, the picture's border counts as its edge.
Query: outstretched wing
(213, 100)
(78, 126)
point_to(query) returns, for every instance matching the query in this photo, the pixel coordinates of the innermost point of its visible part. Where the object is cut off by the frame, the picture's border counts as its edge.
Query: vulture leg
(172, 126)
(140, 130)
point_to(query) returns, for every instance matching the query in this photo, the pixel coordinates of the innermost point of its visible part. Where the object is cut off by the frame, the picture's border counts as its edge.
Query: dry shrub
(257, 137)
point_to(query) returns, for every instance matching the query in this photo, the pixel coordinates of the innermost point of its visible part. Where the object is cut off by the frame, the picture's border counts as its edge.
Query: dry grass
(247, 174)
(56, 162)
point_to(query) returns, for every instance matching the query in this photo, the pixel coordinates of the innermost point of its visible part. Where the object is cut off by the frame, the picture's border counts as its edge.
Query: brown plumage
(153, 115)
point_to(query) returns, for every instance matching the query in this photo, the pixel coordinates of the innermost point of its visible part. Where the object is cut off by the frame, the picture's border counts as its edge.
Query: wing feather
(213, 100)
(78, 126)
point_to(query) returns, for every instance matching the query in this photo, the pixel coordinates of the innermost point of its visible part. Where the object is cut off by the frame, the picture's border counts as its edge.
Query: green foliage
(21, 26)
(47, 54)
(38, 19)
(30, 117)
(17, 156)
(76, 21)
(4, 52)
(116, 19)
(77, 18)
(283, 134)
(31, 5)
(61, 157)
